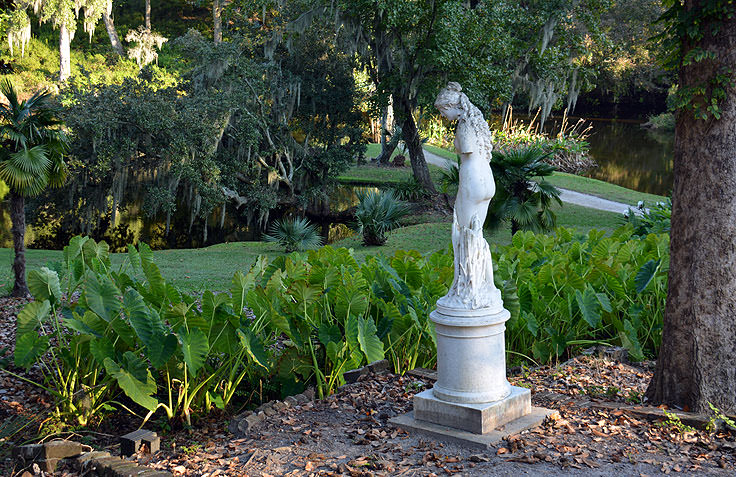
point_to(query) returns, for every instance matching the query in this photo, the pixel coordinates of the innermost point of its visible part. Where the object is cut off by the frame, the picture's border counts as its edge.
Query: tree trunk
(18, 219)
(148, 15)
(697, 358)
(65, 55)
(217, 17)
(113, 34)
(414, 144)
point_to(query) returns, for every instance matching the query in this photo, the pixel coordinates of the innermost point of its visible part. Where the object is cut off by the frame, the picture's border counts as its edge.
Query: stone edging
(46, 457)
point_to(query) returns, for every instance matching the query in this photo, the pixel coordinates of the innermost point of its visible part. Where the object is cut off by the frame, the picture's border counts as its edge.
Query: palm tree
(377, 214)
(294, 234)
(522, 197)
(31, 158)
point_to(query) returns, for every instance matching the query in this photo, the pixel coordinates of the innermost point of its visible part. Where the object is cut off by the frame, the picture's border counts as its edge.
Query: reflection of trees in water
(632, 157)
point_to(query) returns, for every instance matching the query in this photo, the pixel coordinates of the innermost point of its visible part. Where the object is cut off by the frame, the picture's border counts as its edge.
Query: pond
(49, 229)
(629, 155)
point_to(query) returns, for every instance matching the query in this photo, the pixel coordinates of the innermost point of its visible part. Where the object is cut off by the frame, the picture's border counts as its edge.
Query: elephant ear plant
(97, 334)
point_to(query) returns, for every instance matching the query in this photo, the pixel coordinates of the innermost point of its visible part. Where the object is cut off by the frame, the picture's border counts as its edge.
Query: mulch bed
(348, 433)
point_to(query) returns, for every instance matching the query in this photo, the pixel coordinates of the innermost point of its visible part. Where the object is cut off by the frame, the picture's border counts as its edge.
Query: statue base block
(469, 439)
(476, 418)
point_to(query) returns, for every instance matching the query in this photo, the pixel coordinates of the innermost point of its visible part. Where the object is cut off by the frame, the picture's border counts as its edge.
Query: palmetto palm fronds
(377, 214)
(523, 197)
(33, 146)
(294, 234)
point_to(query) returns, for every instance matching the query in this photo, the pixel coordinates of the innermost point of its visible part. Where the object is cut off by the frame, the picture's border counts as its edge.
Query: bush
(661, 122)
(377, 214)
(294, 234)
(307, 318)
(135, 333)
(410, 190)
(578, 290)
(523, 197)
(655, 220)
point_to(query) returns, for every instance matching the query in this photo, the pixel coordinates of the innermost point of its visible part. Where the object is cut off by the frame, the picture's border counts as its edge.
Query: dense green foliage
(523, 196)
(128, 338)
(575, 290)
(654, 220)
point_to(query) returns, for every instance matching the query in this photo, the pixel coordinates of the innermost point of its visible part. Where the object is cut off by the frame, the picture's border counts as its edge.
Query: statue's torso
(476, 187)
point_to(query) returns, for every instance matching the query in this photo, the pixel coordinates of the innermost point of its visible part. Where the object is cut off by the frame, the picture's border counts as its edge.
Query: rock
(301, 398)
(269, 411)
(132, 442)
(291, 401)
(352, 376)
(379, 367)
(83, 460)
(280, 405)
(61, 449)
(309, 393)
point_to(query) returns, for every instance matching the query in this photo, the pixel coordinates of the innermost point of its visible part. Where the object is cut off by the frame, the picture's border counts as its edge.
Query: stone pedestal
(471, 355)
(472, 393)
(476, 418)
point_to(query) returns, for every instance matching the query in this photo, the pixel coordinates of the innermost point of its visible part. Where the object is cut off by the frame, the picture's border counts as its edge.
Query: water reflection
(627, 154)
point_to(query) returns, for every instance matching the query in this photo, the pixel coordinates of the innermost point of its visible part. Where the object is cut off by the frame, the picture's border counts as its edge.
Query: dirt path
(567, 196)
(349, 434)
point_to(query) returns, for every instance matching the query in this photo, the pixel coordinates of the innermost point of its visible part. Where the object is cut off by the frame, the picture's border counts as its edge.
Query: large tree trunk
(65, 54)
(112, 33)
(148, 15)
(413, 143)
(697, 359)
(18, 219)
(217, 17)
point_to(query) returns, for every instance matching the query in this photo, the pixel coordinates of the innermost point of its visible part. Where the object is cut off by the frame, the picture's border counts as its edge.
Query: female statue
(473, 286)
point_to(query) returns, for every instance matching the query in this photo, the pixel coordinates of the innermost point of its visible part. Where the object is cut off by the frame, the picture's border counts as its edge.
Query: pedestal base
(465, 438)
(476, 418)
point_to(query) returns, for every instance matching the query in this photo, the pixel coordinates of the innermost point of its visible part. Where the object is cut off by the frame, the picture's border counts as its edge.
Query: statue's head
(450, 101)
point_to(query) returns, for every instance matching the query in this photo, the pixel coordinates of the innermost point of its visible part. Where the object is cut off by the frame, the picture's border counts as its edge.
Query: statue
(472, 287)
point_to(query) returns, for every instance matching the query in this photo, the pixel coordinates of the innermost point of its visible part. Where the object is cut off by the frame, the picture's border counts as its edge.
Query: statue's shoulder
(465, 140)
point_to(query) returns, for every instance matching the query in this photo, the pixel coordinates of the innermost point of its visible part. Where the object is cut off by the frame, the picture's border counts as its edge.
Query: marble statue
(472, 287)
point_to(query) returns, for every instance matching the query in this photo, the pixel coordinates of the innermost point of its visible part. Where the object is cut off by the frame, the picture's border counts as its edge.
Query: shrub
(655, 220)
(523, 197)
(112, 331)
(294, 234)
(410, 190)
(575, 290)
(377, 214)
(661, 122)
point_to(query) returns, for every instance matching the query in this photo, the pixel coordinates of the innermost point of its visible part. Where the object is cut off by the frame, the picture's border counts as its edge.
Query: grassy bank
(213, 267)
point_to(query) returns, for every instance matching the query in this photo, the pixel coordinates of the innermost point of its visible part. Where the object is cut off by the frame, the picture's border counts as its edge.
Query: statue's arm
(465, 139)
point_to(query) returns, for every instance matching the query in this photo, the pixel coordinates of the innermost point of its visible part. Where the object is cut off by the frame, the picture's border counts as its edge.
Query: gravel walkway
(567, 196)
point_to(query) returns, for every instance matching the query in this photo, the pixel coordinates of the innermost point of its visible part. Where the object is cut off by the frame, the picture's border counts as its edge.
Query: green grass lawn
(195, 270)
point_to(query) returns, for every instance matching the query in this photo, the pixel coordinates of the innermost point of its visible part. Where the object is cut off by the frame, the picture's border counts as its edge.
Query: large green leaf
(646, 274)
(253, 347)
(44, 285)
(102, 297)
(28, 348)
(241, 284)
(329, 333)
(370, 344)
(101, 349)
(194, 346)
(31, 316)
(163, 348)
(137, 312)
(589, 306)
(141, 391)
